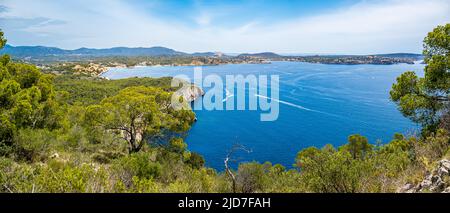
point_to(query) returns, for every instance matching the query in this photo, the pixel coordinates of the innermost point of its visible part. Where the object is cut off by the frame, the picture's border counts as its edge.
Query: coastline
(189, 94)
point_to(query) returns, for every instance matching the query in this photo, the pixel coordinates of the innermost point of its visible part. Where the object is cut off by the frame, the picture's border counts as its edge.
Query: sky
(233, 26)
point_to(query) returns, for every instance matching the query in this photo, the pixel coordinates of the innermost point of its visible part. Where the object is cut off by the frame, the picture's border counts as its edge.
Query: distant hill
(261, 55)
(125, 51)
(401, 55)
(53, 53)
(208, 54)
(40, 51)
(27, 51)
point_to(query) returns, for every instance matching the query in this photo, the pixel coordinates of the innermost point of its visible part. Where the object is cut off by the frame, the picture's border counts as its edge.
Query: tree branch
(228, 158)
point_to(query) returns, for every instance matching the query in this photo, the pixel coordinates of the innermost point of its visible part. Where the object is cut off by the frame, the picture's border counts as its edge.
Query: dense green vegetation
(74, 133)
(86, 90)
(426, 100)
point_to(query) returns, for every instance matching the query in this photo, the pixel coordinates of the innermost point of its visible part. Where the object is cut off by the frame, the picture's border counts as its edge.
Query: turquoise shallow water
(343, 100)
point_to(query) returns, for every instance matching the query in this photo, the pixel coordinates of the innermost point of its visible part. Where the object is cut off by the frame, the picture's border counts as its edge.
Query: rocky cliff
(436, 181)
(191, 93)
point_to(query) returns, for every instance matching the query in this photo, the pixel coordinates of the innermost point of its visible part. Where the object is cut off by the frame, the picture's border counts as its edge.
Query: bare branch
(236, 147)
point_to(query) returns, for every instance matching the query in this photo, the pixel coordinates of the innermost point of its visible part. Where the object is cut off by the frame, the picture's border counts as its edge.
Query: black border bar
(301, 202)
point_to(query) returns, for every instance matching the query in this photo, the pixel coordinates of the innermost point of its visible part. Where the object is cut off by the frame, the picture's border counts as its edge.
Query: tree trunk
(230, 174)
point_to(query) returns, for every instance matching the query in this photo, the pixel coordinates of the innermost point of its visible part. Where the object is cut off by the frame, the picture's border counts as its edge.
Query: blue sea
(342, 100)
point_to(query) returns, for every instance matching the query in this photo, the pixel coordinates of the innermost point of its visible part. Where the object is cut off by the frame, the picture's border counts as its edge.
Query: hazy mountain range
(42, 51)
(33, 51)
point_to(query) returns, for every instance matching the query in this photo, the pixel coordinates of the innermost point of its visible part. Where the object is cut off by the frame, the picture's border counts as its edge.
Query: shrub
(432, 147)
(33, 145)
(195, 160)
(140, 165)
(333, 171)
(250, 177)
(177, 145)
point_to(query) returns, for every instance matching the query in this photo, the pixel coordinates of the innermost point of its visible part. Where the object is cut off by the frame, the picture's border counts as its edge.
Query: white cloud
(390, 26)
(203, 19)
(367, 27)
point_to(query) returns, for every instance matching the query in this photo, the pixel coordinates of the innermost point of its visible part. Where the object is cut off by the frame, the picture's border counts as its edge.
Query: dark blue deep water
(344, 100)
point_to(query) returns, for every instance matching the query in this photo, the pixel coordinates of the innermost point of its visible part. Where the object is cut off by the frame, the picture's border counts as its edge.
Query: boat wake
(228, 95)
(296, 105)
(284, 102)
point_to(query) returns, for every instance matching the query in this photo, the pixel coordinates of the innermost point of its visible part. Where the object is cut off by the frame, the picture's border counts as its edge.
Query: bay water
(319, 104)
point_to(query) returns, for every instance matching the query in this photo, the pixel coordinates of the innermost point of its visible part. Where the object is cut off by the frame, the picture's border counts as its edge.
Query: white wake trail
(284, 102)
(228, 95)
(295, 105)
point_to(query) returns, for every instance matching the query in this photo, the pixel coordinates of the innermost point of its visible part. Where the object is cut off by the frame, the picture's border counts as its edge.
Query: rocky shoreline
(191, 93)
